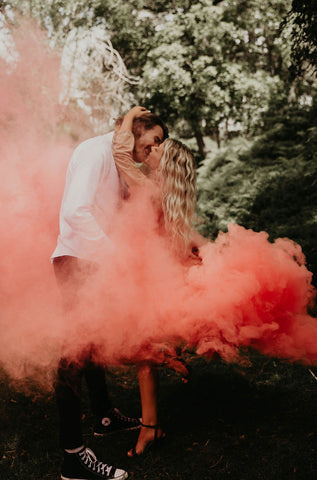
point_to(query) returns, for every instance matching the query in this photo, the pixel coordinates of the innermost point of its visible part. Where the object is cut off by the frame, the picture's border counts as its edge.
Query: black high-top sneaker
(114, 421)
(84, 465)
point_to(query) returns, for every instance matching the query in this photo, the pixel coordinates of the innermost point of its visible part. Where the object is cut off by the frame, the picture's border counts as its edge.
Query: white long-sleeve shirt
(91, 197)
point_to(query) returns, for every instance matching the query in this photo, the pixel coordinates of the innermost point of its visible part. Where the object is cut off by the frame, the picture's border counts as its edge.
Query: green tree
(210, 68)
(215, 65)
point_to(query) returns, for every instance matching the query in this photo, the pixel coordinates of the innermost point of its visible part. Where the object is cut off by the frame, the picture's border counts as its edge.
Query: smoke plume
(142, 302)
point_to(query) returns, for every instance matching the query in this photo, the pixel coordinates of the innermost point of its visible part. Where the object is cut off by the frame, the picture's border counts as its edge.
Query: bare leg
(148, 383)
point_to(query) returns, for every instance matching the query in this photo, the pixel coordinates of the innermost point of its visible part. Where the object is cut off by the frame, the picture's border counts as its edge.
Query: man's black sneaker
(84, 465)
(115, 421)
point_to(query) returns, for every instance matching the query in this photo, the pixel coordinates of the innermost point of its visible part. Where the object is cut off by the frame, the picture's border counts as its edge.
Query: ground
(229, 422)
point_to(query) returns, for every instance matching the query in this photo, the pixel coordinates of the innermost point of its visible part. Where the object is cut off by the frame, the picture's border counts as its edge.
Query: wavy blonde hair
(177, 177)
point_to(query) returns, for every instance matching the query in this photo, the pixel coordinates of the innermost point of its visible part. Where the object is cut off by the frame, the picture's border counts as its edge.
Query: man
(92, 193)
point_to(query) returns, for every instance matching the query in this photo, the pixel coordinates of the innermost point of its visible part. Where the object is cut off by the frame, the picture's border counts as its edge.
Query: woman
(171, 180)
(171, 175)
(246, 291)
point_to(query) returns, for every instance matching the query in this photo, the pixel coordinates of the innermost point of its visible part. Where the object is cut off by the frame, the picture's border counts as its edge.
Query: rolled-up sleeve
(122, 148)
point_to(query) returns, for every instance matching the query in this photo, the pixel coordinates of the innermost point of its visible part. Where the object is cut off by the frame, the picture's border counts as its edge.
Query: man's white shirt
(91, 198)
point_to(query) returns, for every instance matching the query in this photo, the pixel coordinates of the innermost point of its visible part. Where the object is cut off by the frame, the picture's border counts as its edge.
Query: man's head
(148, 131)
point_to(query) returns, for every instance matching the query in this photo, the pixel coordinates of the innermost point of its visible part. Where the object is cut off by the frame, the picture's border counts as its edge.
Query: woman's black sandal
(152, 444)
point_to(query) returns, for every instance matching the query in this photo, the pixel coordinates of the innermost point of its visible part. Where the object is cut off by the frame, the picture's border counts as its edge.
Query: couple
(99, 177)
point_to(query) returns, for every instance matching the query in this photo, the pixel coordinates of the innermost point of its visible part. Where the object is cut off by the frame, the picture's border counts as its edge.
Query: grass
(228, 422)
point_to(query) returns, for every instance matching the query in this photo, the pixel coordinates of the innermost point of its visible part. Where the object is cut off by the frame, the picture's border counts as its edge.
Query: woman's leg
(148, 383)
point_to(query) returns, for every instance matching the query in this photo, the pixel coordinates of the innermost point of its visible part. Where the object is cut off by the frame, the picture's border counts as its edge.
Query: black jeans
(71, 274)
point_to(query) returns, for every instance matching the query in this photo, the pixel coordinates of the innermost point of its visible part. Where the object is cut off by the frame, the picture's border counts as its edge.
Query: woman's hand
(193, 257)
(135, 112)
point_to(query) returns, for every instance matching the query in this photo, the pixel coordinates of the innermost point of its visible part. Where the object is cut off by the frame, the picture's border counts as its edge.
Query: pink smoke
(143, 302)
(34, 156)
(247, 292)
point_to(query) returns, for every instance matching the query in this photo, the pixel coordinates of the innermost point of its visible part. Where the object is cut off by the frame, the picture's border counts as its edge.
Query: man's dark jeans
(71, 274)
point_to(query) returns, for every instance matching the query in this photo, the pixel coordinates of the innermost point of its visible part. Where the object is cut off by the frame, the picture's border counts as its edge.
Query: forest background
(236, 81)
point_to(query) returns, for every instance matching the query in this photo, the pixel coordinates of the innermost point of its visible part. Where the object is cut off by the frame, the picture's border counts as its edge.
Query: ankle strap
(155, 427)
(149, 426)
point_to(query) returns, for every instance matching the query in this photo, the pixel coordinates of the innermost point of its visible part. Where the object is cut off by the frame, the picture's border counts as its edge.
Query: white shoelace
(90, 459)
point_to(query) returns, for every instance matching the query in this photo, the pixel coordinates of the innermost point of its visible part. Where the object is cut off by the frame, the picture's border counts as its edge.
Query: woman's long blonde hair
(177, 176)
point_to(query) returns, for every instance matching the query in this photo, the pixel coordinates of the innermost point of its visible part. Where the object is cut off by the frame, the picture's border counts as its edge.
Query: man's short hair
(147, 122)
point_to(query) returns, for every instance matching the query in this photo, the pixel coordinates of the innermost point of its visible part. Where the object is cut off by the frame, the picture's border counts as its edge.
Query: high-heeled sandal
(152, 444)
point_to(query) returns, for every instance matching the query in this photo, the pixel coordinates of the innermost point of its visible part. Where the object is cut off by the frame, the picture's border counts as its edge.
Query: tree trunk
(217, 135)
(200, 143)
(227, 129)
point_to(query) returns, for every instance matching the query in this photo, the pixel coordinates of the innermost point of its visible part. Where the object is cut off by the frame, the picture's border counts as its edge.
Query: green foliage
(225, 186)
(130, 31)
(266, 184)
(303, 22)
(210, 65)
(58, 17)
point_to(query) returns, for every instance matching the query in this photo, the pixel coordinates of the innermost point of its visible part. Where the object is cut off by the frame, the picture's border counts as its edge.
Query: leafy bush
(268, 183)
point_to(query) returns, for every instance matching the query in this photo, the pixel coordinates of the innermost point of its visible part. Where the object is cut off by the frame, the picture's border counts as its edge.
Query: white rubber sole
(120, 477)
(96, 434)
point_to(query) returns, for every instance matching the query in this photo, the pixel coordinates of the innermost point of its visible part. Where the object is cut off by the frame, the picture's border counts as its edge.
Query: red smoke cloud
(247, 292)
(33, 163)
